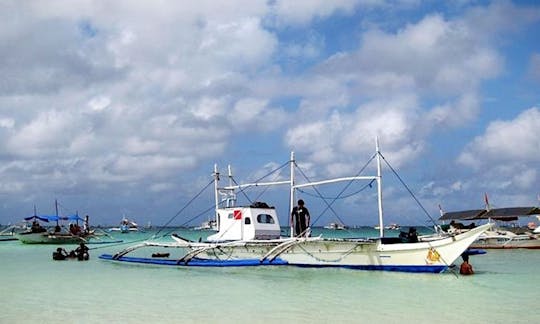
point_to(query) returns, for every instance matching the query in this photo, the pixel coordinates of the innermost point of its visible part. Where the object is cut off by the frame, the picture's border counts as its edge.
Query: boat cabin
(255, 222)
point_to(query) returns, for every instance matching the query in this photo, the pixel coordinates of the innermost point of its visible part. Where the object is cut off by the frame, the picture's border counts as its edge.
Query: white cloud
(7, 122)
(454, 114)
(346, 137)
(526, 179)
(50, 132)
(504, 141)
(99, 103)
(434, 55)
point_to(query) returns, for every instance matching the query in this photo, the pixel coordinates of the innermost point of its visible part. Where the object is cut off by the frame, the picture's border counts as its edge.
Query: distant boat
(497, 237)
(335, 226)
(207, 225)
(37, 234)
(8, 233)
(392, 227)
(126, 226)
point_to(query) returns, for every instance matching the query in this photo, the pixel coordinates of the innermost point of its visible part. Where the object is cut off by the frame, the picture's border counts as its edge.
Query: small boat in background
(335, 226)
(393, 227)
(207, 225)
(498, 237)
(9, 232)
(126, 226)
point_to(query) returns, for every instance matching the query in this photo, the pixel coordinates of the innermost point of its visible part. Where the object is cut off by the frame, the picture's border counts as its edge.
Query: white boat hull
(434, 256)
(49, 238)
(506, 240)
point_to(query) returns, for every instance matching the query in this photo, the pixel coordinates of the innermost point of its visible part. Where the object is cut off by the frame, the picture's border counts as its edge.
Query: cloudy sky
(123, 107)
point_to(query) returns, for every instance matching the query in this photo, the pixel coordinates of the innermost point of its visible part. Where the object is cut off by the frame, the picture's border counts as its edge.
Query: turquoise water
(37, 289)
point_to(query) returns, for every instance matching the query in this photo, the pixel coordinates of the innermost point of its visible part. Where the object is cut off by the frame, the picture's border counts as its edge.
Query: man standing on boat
(300, 219)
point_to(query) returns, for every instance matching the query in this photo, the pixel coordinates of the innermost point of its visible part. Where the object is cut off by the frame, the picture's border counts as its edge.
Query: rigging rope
(408, 189)
(242, 190)
(340, 197)
(349, 183)
(183, 208)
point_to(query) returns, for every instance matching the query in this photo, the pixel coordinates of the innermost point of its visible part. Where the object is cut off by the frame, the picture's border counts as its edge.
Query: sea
(36, 289)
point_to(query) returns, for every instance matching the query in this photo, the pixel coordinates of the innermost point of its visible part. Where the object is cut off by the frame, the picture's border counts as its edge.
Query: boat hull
(49, 238)
(506, 240)
(434, 256)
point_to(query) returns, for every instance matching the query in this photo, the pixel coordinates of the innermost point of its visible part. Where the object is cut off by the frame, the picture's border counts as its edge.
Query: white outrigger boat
(126, 226)
(250, 236)
(40, 235)
(37, 234)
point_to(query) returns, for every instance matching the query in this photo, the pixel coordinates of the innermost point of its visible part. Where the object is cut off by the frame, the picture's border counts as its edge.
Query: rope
(343, 254)
(183, 208)
(340, 197)
(155, 236)
(329, 206)
(242, 191)
(408, 189)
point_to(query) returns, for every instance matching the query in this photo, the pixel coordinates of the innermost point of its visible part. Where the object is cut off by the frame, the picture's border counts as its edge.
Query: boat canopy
(73, 218)
(41, 218)
(504, 214)
(54, 218)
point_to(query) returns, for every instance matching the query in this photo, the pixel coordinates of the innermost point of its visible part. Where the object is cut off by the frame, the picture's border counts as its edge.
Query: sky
(119, 108)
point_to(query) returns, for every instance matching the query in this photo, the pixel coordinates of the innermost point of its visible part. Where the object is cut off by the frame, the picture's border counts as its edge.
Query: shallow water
(37, 289)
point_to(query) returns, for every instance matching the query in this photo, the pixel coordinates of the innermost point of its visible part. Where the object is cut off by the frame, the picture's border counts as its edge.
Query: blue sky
(124, 107)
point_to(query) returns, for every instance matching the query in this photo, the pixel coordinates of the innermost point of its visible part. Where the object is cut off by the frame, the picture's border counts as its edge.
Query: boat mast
(291, 193)
(216, 193)
(56, 207)
(379, 188)
(231, 200)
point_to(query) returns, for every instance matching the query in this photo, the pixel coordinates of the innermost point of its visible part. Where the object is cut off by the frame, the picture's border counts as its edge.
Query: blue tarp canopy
(41, 218)
(73, 218)
(54, 218)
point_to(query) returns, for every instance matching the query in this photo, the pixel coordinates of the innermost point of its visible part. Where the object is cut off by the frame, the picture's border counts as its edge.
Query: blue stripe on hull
(398, 268)
(196, 262)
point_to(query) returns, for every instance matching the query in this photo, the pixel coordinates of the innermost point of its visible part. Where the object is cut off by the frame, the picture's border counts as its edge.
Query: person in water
(466, 267)
(300, 219)
(60, 254)
(82, 252)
